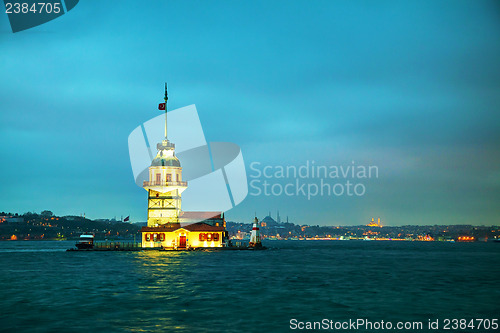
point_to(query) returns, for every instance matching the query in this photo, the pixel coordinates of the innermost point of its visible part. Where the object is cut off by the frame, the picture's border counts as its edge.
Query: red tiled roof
(176, 226)
(200, 215)
(203, 227)
(162, 228)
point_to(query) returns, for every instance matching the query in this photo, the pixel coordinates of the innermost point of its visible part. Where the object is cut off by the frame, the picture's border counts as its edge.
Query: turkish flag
(161, 106)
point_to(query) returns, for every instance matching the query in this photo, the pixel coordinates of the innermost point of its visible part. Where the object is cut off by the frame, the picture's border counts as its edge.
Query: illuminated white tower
(165, 183)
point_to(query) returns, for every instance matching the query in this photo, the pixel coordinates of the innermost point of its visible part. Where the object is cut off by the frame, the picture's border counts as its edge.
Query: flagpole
(166, 99)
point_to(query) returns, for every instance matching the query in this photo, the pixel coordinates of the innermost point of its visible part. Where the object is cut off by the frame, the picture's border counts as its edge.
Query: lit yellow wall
(164, 170)
(167, 214)
(193, 239)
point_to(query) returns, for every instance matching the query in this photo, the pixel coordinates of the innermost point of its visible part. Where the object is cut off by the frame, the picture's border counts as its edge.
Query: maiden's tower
(168, 226)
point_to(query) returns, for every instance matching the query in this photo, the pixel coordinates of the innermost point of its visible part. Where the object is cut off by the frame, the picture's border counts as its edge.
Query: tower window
(158, 177)
(177, 177)
(169, 177)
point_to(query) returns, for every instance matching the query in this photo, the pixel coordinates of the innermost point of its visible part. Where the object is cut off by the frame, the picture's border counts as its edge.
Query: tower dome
(166, 161)
(166, 155)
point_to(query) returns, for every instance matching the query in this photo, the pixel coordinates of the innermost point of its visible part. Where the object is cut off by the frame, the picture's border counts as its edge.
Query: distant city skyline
(412, 88)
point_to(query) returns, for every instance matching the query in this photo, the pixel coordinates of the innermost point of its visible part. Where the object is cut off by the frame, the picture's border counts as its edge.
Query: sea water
(43, 288)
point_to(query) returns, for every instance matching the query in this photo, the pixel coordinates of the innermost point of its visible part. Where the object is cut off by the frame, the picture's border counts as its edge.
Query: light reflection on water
(151, 291)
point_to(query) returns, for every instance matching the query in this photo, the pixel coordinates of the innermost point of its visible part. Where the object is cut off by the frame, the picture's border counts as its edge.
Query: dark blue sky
(412, 87)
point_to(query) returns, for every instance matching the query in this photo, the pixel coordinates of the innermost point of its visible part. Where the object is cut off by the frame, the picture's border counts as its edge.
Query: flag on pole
(126, 219)
(161, 106)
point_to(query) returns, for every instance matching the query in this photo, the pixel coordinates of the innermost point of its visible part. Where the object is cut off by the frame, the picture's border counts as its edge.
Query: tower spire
(166, 99)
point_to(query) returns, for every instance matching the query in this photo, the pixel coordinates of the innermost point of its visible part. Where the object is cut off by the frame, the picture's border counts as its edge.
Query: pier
(137, 246)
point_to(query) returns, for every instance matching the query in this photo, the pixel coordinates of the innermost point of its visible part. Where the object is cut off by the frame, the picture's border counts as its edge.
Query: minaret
(278, 219)
(165, 183)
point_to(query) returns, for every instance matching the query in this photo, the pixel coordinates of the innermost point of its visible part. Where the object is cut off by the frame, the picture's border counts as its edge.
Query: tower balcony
(148, 183)
(164, 186)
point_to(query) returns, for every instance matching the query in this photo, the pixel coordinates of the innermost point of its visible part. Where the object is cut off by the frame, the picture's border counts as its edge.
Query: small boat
(85, 242)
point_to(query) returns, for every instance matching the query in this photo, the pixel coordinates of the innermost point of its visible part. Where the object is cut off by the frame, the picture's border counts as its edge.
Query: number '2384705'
(37, 7)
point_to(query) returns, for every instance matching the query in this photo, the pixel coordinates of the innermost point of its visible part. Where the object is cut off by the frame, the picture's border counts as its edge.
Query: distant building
(241, 235)
(268, 221)
(374, 224)
(11, 219)
(72, 218)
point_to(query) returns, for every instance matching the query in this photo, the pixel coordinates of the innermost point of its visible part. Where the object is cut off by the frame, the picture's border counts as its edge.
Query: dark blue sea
(43, 288)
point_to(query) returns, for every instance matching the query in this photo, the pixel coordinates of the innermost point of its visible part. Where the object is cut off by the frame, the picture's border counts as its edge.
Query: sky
(411, 87)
